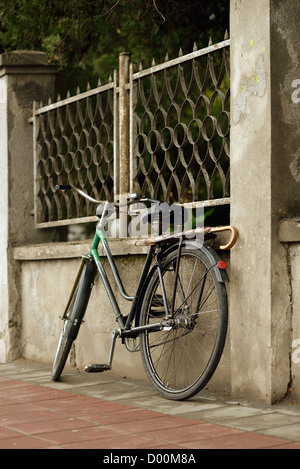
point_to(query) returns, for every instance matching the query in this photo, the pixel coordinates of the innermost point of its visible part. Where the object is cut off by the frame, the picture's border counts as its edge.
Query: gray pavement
(281, 421)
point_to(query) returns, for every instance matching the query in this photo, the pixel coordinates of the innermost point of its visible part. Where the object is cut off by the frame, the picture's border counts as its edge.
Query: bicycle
(179, 314)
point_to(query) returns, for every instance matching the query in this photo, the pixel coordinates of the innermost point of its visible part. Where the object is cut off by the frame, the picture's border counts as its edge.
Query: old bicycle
(179, 312)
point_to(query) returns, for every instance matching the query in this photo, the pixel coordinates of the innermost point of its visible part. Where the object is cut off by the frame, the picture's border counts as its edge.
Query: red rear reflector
(222, 265)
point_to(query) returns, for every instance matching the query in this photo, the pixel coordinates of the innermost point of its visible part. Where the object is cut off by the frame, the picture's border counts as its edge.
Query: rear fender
(212, 259)
(211, 256)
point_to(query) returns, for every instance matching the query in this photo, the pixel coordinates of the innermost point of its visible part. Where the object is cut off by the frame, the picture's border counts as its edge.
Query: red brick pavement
(38, 417)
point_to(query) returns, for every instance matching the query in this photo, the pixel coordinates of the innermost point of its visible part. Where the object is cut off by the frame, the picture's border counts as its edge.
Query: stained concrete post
(124, 164)
(265, 175)
(24, 77)
(124, 61)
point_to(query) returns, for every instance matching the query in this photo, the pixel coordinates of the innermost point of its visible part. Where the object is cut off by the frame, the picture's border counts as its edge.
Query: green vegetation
(85, 37)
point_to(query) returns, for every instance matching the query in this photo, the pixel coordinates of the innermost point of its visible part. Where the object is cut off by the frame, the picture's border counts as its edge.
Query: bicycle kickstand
(98, 368)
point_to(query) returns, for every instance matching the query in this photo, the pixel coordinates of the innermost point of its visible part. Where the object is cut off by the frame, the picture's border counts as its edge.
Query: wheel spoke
(180, 361)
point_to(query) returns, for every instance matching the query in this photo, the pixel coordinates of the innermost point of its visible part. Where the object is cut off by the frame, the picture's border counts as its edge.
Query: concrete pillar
(24, 77)
(265, 175)
(124, 162)
(124, 63)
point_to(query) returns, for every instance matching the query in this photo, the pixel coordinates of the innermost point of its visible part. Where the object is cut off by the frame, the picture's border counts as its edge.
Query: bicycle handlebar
(135, 197)
(138, 198)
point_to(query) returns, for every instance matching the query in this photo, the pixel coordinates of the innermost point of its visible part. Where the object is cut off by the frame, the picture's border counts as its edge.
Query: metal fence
(162, 131)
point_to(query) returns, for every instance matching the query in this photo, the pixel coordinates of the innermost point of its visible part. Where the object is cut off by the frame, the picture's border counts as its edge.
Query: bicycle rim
(180, 362)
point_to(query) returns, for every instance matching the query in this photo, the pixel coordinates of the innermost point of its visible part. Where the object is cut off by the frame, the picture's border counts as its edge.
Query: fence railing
(162, 131)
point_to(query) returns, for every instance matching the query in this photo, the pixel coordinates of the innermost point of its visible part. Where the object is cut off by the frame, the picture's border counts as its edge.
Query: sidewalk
(101, 411)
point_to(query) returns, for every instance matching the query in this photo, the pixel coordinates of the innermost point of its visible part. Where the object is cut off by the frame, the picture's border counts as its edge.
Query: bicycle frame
(100, 237)
(126, 330)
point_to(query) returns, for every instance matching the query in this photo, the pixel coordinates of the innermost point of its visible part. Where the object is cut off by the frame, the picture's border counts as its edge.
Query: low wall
(289, 234)
(47, 273)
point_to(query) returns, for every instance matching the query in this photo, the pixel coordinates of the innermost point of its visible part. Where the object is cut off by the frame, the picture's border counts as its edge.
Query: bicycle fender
(212, 260)
(212, 257)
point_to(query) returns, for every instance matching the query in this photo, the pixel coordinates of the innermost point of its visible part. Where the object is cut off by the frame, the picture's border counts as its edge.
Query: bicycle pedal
(97, 368)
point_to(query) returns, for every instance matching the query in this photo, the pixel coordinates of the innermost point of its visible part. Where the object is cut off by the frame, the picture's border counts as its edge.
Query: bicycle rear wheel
(73, 316)
(180, 361)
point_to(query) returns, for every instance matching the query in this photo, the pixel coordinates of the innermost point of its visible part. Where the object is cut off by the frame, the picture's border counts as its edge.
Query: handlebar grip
(233, 238)
(63, 187)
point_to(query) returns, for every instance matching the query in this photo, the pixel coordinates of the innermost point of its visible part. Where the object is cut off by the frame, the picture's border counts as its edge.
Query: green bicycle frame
(124, 322)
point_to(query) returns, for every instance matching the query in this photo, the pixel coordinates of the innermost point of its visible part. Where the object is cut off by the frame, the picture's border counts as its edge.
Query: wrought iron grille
(74, 145)
(171, 141)
(182, 123)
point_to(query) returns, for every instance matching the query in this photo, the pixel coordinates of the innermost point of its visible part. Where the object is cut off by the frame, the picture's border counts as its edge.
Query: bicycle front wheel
(73, 316)
(180, 361)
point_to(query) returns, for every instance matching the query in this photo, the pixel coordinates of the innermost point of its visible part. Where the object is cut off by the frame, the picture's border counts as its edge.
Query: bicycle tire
(181, 361)
(73, 318)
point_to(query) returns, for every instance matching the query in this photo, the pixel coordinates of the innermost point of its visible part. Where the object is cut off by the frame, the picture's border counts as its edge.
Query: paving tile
(240, 440)
(9, 383)
(289, 445)
(187, 434)
(219, 414)
(64, 402)
(8, 433)
(30, 415)
(263, 421)
(120, 442)
(127, 415)
(289, 432)
(22, 389)
(23, 442)
(81, 435)
(166, 446)
(5, 401)
(53, 447)
(189, 409)
(154, 423)
(35, 397)
(94, 407)
(45, 426)
(13, 410)
(88, 411)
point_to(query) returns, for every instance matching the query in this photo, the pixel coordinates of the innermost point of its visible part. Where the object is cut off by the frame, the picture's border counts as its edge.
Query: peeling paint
(256, 85)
